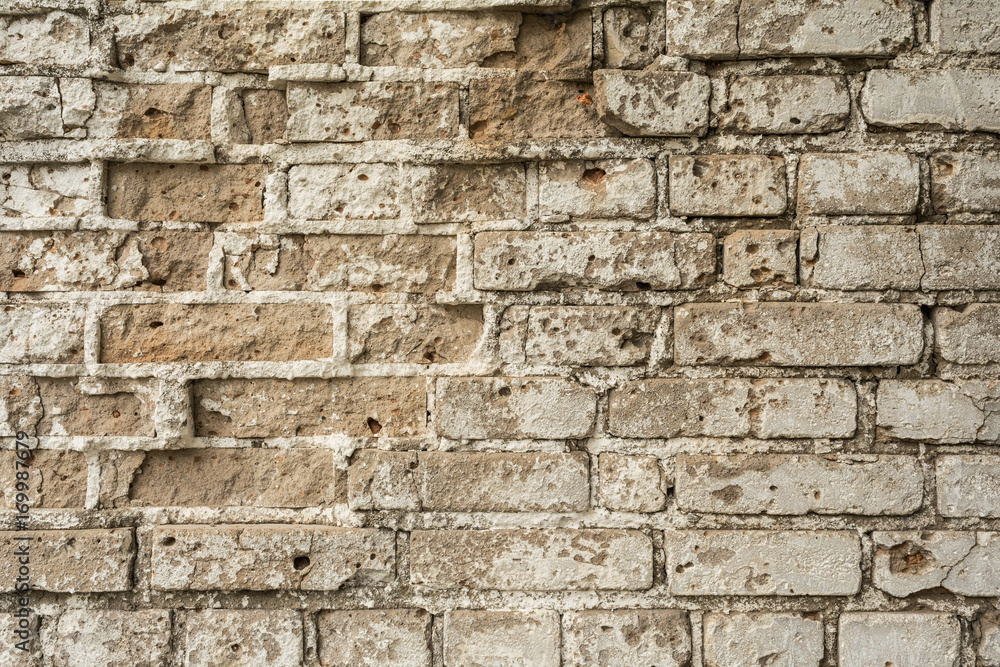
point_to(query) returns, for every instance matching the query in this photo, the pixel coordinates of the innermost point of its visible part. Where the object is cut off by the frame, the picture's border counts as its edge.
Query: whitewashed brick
(597, 189)
(390, 637)
(947, 412)
(656, 637)
(727, 185)
(950, 100)
(501, 638)
(858, 183)
(968, 485)
(796, 104)
(904, 639)
(755, 639)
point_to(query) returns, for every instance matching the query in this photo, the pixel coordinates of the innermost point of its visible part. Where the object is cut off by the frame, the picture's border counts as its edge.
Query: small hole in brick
(643, 286)
(168, 541)
(301, 563)
(504, 391)
(116, 414)
(18, 273)
(362, 177)
(155, 325)
(234, 648)
(794, 121)
(374, 426)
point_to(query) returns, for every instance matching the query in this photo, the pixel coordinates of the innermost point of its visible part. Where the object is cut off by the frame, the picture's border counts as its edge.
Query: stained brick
(398, 637)
(72, 561)
(727, 185)
(858, 183)
(950, 100)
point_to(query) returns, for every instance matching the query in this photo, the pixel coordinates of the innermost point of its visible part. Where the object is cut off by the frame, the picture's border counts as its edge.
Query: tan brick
(950, 100)
(72, 561)
(815, 334)
(965, 182)
(56, 479)
(262, 557)
(246, 636)
(597, 189)
(947, 412)
(45, 39)
(864, 257)
(968, 486)
(178, 332)
(398, 333)
(653, 103)
(796, 104)
(486, 637)
(359, 407)
(753, 257)
(703, 29)
(467, 193)
(614, 261)
(532, 560)
(930, 639)
(44, 190)
(343, 191)
(132, 111)
(30, 108)
(960, 256)
(162, 261)
(630, 483)
(483, 408)
(633, 36)
(84, 406)
(372, 111)
(858, 184)
(362, 263)
(112, 638)
(970, 335)
(965, 26)
(186, 192)
(436, 39)
(659, 637)
(740, 639)
(590, 335)
(727, 185)
(266, 115)
(549, 42)
(397, 637)
(217, 38)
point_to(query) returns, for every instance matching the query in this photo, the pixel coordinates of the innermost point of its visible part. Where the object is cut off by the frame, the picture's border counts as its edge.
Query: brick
(30, 108)
(633, 36)
(630, 483)
(960, 257)
(965, 183)
(358, 407)
(659, 637)
(31, 334)
(397, 333)
(753, 257)
(161, 261)
(875, 257)
(703, 29)
(266, 115)
(362, 263)
(505, 109)
(72, 561)
(763, 562)
(727, 185)
(467, 193)
(968, 336)
(965, 26)
(653, 103)
(950, 100)
(947, 412)
(186, 192)
(597, 189)
(816, 334)
(21, 403)
(52, 39)
(799, 484)
(746, 639)
(769, 408)
(469, 481)
(87, 406)
(397, 637)
(483, 408)
(532, 560)
(230, 477)
(968, 485)
(79, 102)
(590, 335)
(548, 42)
(613, 261)
(931, 639)
(248, 637)
(497, 638)
(436, 39)
(826, 28)
(177, 332)
(131, 111)
(57, 479)
(908, 562)
(372, 111)
(113, 638)
(858, 184)
(262, 557)
(986, 631)
(343, 191)
(237, 40)
(44, 190)
(796, 104)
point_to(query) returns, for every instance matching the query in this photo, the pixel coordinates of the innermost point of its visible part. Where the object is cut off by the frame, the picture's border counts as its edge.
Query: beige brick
(630, 483)
(84, 406)
(965, 26)
(858, 183)
(228, 40)
(25, 655)
(965, 182)
(44, 190)
(72, 561)
(171, 111)
(653, 103)
(242, 637)
(727, 185)
(753, 257)
(178, 332)
(548, 42)
(372, 111)
(947, 412)
(968, 485)
(45, 39)
(618, 261)
(30, 108)
(799, 484)
(397, 333)
(359, 407)
(87, 637)
(950, 100)
(266, 115)
(970, 335)
(817, 334)
(763, 562)
(930, 639)
(343, 191)
(746, 639)
(467, 193)
(262, 557)
(499, 638)
(795, 104)
(532, 560)
(703, 29)
(855, 258)
(436, 39)
(908, 562)
(633, 36)
(589, 335)
(396, 637)
(483, 408)
(986, 631)
(186, 192)
(597, 189)
(659, 637)
(57, 479)
(36, 333)
(960, 257)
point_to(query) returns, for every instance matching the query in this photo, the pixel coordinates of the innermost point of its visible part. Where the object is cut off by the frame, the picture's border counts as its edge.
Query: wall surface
(447, 333)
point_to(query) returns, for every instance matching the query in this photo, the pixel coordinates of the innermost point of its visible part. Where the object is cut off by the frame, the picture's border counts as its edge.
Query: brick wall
(447, 333)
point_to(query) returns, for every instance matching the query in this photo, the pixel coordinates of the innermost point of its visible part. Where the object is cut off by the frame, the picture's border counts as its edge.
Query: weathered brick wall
(441, 333)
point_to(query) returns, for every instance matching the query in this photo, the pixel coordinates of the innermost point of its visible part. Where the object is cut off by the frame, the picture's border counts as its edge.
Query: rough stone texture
(964, 182)
(763, 562)
(266, 115)
(587, 335)
(965, 26)
(968, 336)
(951, 100)
(58, 479)
(727, 185)
(703, 28)
(41, 334)
(413, 334)
(798, 484)
(960, 257)
(549, 42)
(653, 103)
(630, 483)
(242, 637)
(398, 637)
(947, 412)
(968, 485)
(759, 257)
(436, 39)
(173, 111)
(910, 561)
(265, 557)
(467, 193)
(597, 189)
(500, 638)
(45, 39)
(795, 104)
(858, 184)
(44, 190)
(776, 334)
(532, 560)
(627, 261)
(72, 561)
(987, 633)
(351, 191)
(88, 406)
(863, 257)
(30, 108)
(745, 639)
(657, 637)
(902, 639)
(633, 36)
(113, 638)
